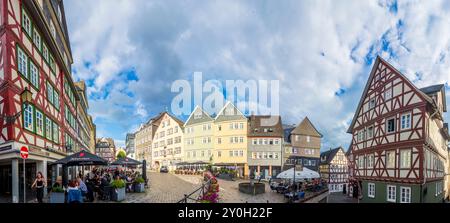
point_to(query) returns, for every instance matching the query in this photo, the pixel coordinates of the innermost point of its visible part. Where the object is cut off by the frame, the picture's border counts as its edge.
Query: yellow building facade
(230, 140)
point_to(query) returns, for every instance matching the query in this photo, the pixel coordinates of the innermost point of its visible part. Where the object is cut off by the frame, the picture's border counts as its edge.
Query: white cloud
(315, 48)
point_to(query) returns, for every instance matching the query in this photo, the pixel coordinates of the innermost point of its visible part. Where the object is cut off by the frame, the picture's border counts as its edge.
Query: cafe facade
(38, 98)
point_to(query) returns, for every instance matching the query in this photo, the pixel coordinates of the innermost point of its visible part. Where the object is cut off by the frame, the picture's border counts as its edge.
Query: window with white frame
(56, 100)
(360, 162)
(50, 92)
(405, 194)
(372, 103)
(405, 158)
(370, 160)
(308, 138)
(22, 62)
(34, 75)
(390, 159)
(361, 136)
(45, 53)
(39, 123)
(254, 141)
(370, 132)
(48, 128)
(388, 94)
(28, 117)
(37, 39)
(406, 121)
(390, 125)
(26, 22)
(55, 132)
(391, 193)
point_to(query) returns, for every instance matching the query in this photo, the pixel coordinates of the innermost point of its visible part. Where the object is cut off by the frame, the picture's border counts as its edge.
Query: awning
(126, 162)
(299, 175)
(82, 158)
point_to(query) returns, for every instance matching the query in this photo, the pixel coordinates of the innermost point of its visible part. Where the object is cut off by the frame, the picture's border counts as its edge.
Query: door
(5, 180)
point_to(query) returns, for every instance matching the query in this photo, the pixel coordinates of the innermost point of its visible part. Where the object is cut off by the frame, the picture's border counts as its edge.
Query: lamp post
(27, 98)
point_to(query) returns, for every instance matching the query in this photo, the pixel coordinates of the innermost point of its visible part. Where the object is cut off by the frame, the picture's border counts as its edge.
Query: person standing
(39, 183)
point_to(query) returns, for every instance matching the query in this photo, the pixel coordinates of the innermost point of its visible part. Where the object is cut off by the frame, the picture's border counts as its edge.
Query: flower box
(139, 188)
(57, 198)
(118, 194)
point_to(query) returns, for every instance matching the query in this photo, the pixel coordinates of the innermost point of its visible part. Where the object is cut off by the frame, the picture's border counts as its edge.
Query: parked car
(164, 169)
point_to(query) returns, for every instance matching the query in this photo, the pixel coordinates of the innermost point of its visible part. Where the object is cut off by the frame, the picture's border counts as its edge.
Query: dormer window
(198, 116)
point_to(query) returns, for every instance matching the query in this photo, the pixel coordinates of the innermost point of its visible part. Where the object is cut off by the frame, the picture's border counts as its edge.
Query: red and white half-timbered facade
(35, 55)
(399, 141)
(334, 169)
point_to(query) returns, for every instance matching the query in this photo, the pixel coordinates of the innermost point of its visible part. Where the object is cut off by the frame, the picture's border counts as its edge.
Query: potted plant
(119, 190)
(139, 185)
(57, 195)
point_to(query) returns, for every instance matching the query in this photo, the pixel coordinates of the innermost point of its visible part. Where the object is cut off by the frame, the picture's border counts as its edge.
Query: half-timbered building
(38, 98)
(399, 143)
(334, 169)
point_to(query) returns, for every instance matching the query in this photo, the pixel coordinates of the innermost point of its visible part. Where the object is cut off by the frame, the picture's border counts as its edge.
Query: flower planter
(225, 176)
(139, 188)
(118, 194)
(57, 198)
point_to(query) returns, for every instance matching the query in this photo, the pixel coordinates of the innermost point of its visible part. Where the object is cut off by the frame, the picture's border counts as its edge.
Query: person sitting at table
(73, 193)
(83, 187)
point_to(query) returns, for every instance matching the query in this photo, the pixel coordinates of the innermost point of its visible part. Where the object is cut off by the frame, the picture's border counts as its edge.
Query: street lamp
(27, 98)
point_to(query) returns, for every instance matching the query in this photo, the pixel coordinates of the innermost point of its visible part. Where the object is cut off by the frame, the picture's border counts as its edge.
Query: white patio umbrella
(299, 175)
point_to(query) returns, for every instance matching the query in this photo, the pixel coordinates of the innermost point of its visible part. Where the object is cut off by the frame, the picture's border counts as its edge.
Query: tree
(121, 154)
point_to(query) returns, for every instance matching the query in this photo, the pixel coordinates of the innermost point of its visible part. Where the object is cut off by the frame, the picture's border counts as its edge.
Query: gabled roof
(430, 90)
(366, 88)
(222, 116)
(258, 127)
(179, 122)
(306, 128)
(328, 156)
(109, 141)
(205, 117)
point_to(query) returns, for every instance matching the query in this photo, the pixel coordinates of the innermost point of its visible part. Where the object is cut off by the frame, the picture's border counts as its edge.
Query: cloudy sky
(131, 51)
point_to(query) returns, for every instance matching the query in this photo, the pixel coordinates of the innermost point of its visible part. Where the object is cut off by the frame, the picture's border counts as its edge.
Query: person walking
(39, 183)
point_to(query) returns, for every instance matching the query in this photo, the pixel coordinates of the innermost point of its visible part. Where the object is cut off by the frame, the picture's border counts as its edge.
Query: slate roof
(287, 134)
(257, 126)
(327, 157)
(430, 90)
(192, 120)
(306, 128)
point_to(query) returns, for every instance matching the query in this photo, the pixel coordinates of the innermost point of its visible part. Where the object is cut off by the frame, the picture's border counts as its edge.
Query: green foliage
(139, 180)
(121, 154)
(57, 189)
(118, 184)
